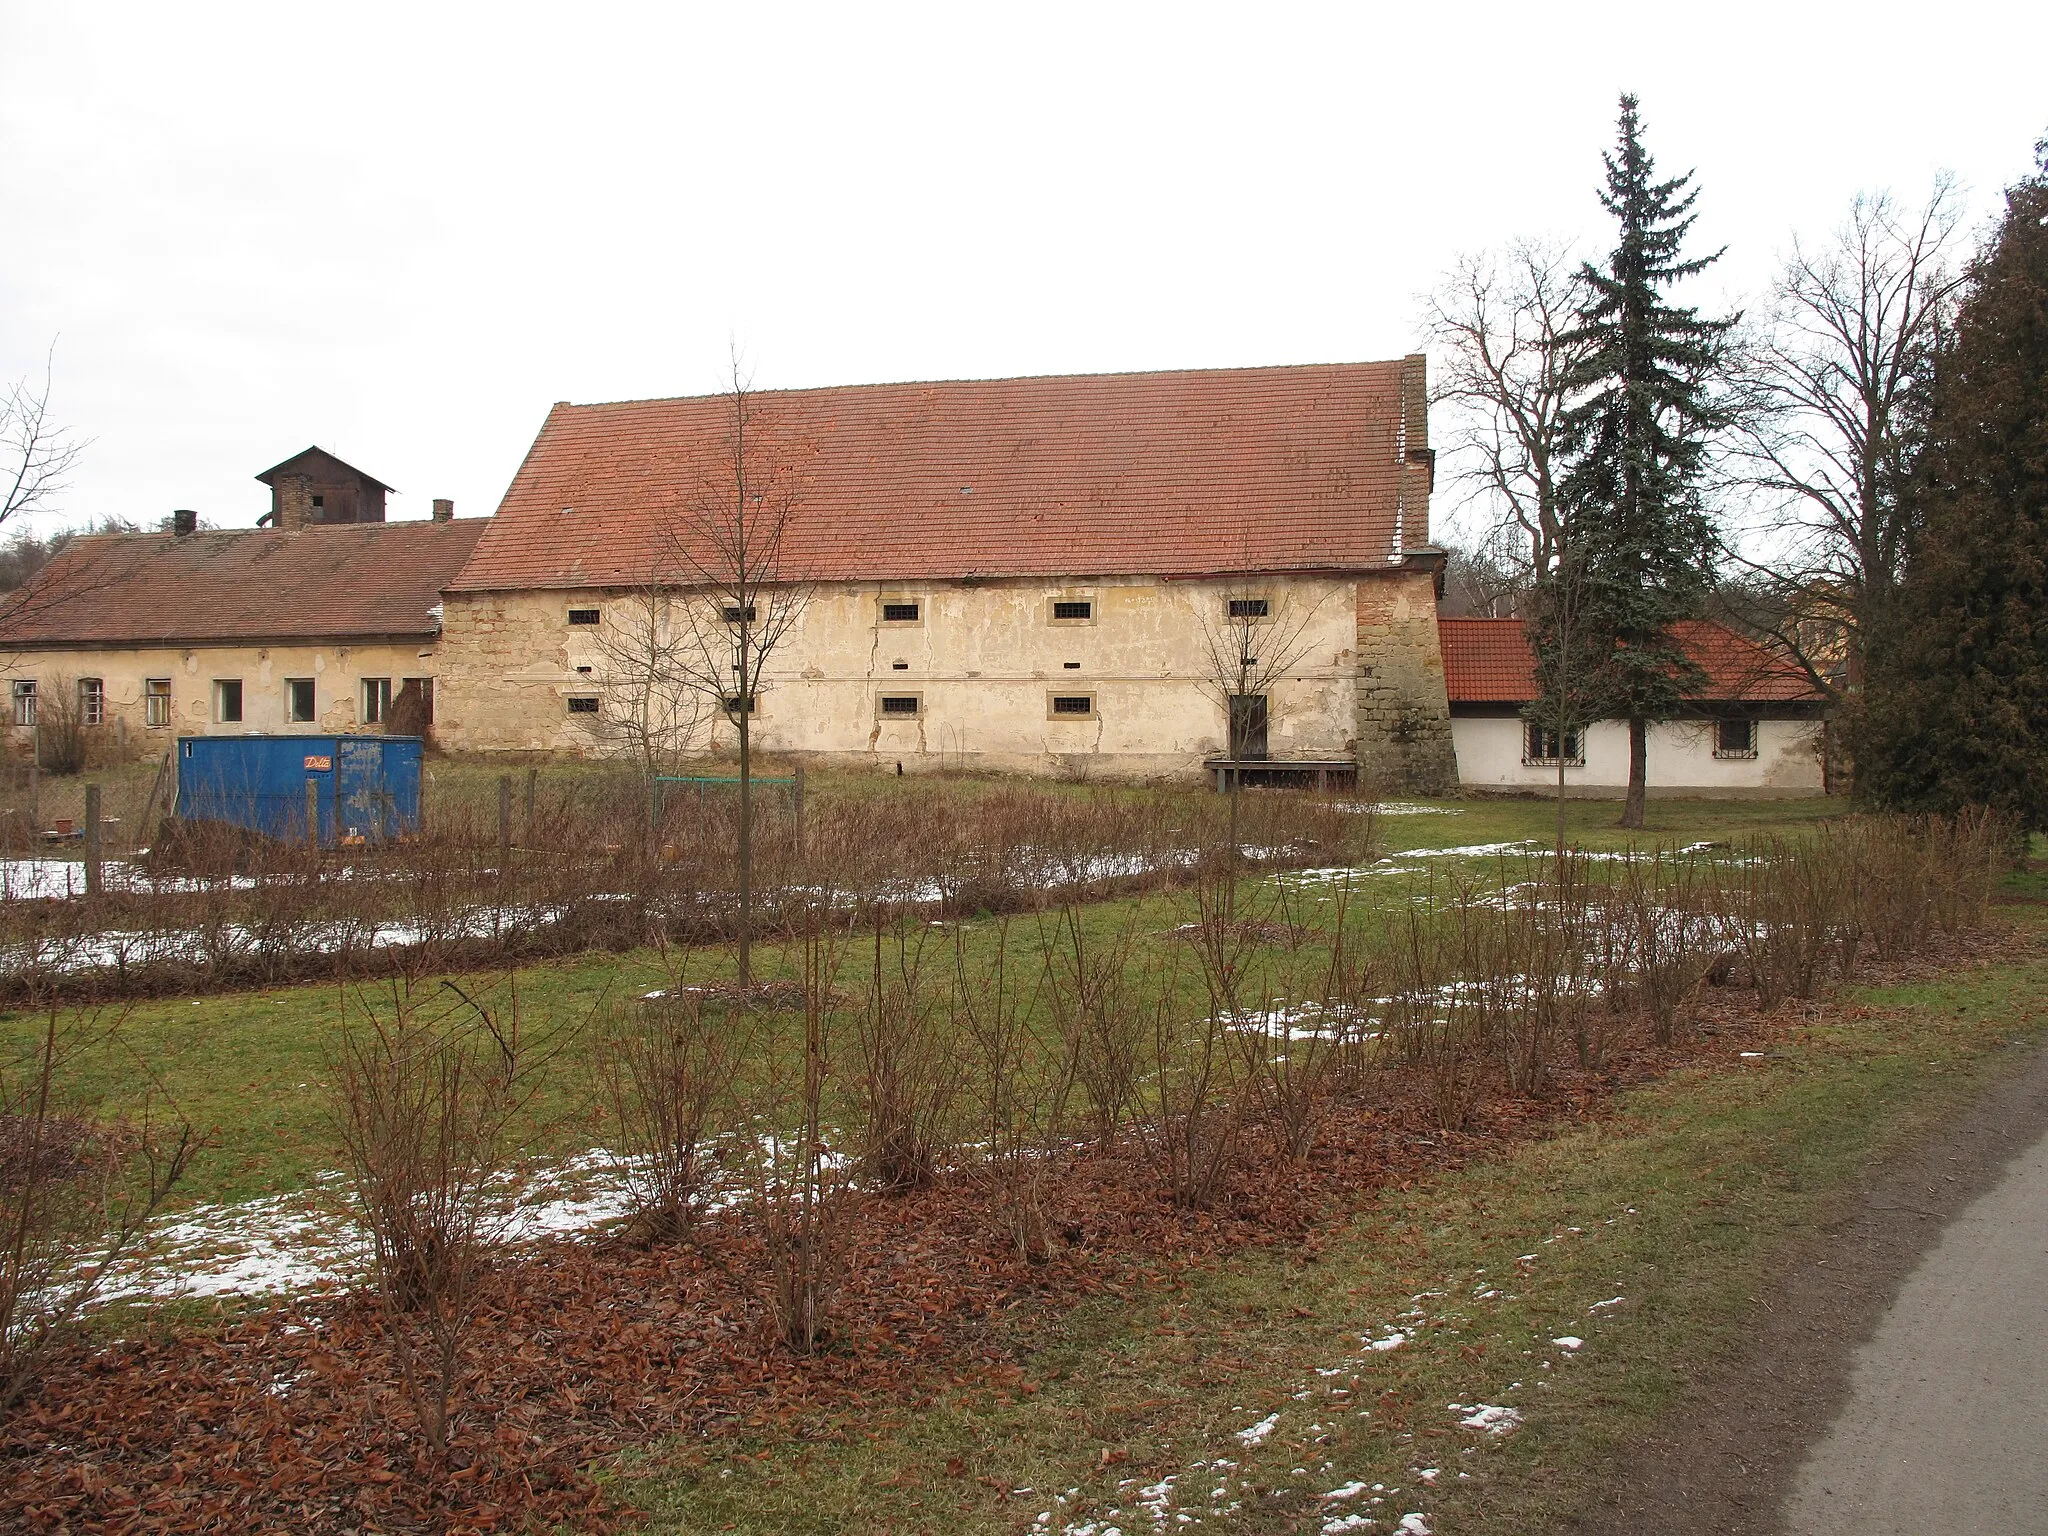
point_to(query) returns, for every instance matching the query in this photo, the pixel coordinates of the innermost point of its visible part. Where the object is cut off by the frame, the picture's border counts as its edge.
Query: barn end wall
(984, 659)
(1404, 714)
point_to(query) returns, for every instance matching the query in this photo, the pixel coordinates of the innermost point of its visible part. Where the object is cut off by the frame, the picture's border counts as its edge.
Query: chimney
(184, 522)
(444, 510)
(292, 498)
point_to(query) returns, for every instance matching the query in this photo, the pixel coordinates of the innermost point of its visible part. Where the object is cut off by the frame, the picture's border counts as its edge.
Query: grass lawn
(1644, 1235)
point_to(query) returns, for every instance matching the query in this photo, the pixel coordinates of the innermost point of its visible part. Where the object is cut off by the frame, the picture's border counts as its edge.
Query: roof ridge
(1003, 378)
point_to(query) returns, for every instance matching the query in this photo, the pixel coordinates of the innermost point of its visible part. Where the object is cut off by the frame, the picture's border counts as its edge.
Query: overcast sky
(401, 231)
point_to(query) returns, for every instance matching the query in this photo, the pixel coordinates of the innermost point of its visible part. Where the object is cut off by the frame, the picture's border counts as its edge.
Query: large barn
(1016, 574)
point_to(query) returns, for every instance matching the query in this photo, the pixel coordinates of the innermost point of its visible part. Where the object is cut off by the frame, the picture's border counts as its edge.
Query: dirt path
(1730, 1458)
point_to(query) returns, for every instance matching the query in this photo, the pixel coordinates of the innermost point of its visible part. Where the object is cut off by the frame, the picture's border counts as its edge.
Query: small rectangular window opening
(582, 704)
(298, 700)
(1539, 745)
(25, 701)
(227, 700)
(1250, 608)
(1073, 703)
(1735, 738)
(584, 615)
(899, 704)
(1073, 609)
(376, 700)
(899, 613)
(732, 614)
(732, 704)
(92, 701)
(156, 701)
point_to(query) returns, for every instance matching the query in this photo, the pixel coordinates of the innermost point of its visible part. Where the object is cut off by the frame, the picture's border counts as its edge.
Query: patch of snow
(1493, 1418)
(1391, 1341)
(1569, 1341)
(1257, 1433)
(1350, 1490)
(1413, 1525)
(1612, 1301)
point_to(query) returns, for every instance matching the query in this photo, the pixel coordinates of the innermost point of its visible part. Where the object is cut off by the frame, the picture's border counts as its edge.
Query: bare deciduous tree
(1254, 633)
(1495, 321)
(1834, 396)
(728, 546)
(655, 705)
(1504, 327)
(36, 454)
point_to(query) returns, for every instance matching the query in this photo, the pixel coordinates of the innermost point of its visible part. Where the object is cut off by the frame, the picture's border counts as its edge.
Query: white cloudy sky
(401, 231)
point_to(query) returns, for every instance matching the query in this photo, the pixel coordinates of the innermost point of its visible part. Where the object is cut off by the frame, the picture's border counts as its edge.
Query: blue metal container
(360, 788)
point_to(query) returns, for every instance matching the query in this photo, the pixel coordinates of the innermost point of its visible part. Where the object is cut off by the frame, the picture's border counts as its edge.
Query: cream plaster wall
(985, 657)
(337, 672)
(1682, 759)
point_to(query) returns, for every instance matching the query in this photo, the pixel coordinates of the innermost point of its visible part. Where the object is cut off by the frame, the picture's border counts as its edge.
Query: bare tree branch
(36, 454)
(1833, 396)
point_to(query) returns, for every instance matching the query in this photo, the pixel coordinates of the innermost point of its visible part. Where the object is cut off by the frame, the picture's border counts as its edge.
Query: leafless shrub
(1020, 1084)
(424, 1092)
(77, 1193)
(1196, 1076)
(1658, 911)
(1088, 991)
(795, 1179)
(910, 1070)
(668, 1064)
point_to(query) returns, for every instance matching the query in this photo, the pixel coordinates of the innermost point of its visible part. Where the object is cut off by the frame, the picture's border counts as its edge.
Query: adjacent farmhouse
(308, 627)
(1758, 730)
(1014, 574)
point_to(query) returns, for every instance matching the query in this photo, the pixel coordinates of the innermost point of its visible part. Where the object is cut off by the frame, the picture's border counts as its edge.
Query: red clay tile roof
(325, 583)
(1487, 661)
(1111, 474)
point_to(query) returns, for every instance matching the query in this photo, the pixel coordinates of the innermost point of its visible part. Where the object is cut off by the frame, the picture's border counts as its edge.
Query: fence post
(796, 807)
(92, 839)
(532, 779)
(504, 825)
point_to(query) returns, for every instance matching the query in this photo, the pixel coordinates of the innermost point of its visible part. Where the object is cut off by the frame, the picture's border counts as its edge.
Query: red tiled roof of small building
(1487, 661)
(1186, 473)
(355, 580)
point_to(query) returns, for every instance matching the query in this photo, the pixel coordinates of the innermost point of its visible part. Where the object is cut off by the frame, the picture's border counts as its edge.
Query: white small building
(1758, 732)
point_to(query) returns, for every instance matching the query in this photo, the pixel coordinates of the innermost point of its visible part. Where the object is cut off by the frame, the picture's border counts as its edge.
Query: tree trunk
(1560, 799)
(1638, 772)
(746, 816)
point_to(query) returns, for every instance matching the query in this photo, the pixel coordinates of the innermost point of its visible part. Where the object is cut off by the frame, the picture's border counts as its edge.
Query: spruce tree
(1957, 709)
(1638, 542)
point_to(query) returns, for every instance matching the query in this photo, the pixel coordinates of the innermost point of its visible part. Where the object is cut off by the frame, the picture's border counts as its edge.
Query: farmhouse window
(733, 614)
(901, 704)
(1735, 738)
(156, 701)
(1072, 706)
(733, 701)
(900, 612)
(25, 701)
(92, 701)
(1251, 608)
(583, 704)
(1075, 610)
(1539, 745)
(584, 615)
(227, 700)
(376, 700)
(298, 700)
